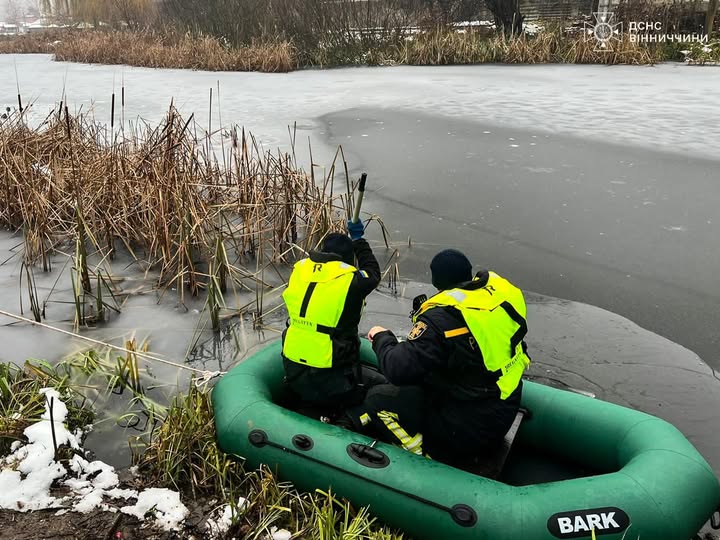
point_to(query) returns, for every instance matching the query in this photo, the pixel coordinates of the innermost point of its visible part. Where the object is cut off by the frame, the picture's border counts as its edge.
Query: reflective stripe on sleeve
(457, 332)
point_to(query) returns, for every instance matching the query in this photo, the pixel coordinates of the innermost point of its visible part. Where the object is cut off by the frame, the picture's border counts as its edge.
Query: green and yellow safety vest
(315, 298)
(495, 316)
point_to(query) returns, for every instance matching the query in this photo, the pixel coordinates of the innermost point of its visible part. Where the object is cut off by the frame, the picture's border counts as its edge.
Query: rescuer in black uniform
(456, 382)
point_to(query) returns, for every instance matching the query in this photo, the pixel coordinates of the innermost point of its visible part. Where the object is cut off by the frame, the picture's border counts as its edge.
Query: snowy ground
(29, 472)
(29, 477)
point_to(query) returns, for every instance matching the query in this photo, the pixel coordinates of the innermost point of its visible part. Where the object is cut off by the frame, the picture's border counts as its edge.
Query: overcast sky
(4, 6)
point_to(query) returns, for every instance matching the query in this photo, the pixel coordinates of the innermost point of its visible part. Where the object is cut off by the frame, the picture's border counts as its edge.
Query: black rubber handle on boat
(302, 442)
(368, 456)
(463, 515)
(258, 438)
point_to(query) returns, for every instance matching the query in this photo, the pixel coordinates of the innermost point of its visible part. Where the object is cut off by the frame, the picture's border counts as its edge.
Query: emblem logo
(604, 32)
(417, 330)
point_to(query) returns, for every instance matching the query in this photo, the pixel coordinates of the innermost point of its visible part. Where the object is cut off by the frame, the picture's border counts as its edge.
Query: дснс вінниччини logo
(604, 31)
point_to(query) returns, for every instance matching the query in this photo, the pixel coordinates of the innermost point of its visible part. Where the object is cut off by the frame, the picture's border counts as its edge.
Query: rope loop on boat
(205, 378)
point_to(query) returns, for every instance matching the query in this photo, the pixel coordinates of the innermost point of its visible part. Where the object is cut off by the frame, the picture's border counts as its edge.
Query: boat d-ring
(715, 519)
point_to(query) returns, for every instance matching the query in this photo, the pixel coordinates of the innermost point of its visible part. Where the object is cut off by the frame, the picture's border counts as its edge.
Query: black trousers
(320, 399)
(456, 432)
(392, 414)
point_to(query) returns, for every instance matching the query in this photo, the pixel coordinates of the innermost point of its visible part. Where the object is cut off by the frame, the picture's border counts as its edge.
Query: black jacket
(462, 401)
(326, 385)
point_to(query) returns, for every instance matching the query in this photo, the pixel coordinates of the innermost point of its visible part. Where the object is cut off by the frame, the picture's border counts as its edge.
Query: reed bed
(161, 195)
(441, 47)
(171, 50)
(433, 46)
(40, 42)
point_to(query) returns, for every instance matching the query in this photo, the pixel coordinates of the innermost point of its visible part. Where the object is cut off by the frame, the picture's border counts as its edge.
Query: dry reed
(439, 46)
(159, 194)
(170, 50)
(40, 42)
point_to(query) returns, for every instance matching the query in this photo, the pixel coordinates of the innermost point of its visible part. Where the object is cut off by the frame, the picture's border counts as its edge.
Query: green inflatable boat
(604, 468)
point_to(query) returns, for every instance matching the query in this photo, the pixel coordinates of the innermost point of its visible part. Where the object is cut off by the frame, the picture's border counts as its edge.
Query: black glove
(418, 301)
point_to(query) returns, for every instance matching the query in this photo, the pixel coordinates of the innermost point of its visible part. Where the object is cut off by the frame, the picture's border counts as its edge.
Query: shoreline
(438, 45)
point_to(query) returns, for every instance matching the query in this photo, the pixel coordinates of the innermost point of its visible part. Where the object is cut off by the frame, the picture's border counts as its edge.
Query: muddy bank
(100, 525)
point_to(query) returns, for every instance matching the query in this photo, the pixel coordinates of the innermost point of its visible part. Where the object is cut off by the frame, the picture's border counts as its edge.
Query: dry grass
(170, 50)
(156, 49)
(41, 42)
(162, 195)
(21, 402)
(182, 453)
(443, 48)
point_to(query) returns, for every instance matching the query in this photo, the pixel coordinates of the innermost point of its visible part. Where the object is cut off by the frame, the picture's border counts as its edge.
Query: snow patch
(218, 526)
(163, 504)
(221, 520)
(30, 470)
(279, 534)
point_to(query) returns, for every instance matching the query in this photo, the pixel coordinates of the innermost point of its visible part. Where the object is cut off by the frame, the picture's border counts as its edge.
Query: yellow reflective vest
(495, 316)
(315, 298)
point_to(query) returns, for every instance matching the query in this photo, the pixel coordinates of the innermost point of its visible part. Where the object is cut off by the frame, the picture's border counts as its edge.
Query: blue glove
(356, 230)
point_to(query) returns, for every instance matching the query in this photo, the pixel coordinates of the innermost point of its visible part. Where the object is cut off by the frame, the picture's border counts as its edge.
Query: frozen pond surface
(669, 106)
(514, 164)
(622, 227)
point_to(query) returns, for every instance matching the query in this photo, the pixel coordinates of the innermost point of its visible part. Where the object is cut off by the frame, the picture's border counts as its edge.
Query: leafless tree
(710, 16)
(507, 15)
(13, 12)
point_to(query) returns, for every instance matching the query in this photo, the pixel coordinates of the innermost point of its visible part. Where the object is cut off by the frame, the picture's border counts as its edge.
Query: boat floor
(528, 466)
(513, 464)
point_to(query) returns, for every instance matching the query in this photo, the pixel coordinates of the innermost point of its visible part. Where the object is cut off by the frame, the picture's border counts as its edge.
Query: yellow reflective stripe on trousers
(411, 444)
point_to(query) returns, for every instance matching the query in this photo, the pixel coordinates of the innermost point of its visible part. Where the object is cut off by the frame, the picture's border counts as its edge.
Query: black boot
(344, 421)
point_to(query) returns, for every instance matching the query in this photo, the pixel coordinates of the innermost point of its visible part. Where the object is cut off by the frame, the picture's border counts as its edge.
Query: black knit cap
(340, 244)
(449, 269)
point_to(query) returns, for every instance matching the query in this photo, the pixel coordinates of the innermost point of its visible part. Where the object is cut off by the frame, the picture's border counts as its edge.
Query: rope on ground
(206, 376)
